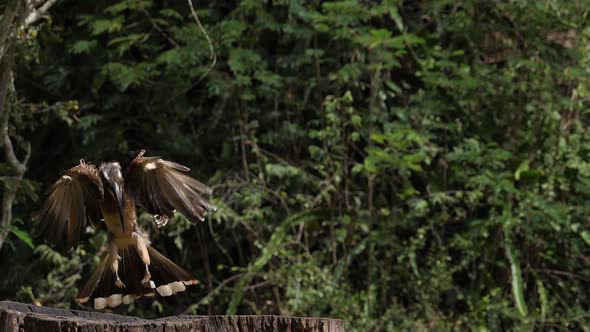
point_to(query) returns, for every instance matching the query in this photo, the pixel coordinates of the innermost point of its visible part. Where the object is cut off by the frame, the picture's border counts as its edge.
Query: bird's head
(112, 178)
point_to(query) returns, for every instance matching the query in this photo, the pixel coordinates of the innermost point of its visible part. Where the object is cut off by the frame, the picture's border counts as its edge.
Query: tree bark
(17, 14)
(18, 169)
(25, 317)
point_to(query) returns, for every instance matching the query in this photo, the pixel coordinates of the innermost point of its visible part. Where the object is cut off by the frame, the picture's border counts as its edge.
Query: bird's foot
(161, 220)
(147, 282)
(119, 283)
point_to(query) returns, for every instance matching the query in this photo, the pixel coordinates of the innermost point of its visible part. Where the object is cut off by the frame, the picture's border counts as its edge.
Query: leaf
(243, 60)
(544, 303)
(88, 121)
(516, 280)
(124, 43)
(82, 46)
(22, 235)
(118, 7)
(170, 57)
(101, 26)
(585, 235)
(272, 247)
(394, 13)
(124, 76)
(524, 166)
(171, 13)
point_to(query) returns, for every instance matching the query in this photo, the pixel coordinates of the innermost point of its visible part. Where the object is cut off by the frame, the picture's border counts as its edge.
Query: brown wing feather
(71, 201)
(162, 186)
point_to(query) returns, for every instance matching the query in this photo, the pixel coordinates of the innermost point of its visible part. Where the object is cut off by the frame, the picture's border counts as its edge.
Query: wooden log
(26, 317)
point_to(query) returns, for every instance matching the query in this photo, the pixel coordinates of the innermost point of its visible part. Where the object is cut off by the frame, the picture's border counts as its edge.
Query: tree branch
(17, 14)
(6, 26)
(211, 51)
(212, 54)
(18, 168)
(37, 13)
(158, 28)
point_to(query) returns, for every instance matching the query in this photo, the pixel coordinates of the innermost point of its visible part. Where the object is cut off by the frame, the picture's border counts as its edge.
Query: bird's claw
(161, 220)
(147, 282)
(119, 283)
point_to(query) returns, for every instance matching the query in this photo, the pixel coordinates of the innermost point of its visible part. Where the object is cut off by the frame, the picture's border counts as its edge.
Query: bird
(86, 195)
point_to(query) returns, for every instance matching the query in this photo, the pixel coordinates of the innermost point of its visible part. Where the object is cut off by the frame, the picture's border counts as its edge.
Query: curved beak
(118, 191)
(118, 195)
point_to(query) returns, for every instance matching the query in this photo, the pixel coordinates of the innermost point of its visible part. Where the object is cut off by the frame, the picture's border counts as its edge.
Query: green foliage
(402, 165)
(22, 235)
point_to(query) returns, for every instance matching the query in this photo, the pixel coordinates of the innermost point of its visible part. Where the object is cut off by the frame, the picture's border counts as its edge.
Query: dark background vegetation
(401, 165)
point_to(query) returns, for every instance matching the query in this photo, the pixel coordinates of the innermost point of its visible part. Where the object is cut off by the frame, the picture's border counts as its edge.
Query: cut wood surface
(26, 317)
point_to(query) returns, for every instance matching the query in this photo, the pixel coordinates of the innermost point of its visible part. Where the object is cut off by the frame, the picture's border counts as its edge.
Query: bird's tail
(135, 278)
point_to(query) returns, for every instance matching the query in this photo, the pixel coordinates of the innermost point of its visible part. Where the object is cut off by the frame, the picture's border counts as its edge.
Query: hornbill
(131, 268)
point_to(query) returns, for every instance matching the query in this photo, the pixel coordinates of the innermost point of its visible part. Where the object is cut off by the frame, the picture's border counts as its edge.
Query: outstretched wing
(70, 202)
(162, 187)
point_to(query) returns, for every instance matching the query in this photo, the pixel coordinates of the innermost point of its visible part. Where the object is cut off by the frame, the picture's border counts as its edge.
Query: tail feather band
(166, 278)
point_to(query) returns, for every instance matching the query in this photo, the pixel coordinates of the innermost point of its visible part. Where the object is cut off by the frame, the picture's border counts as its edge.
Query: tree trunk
(26, 317)
(17, 14)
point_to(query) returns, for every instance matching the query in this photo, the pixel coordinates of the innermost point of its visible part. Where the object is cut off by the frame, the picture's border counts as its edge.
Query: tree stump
(30, 318)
